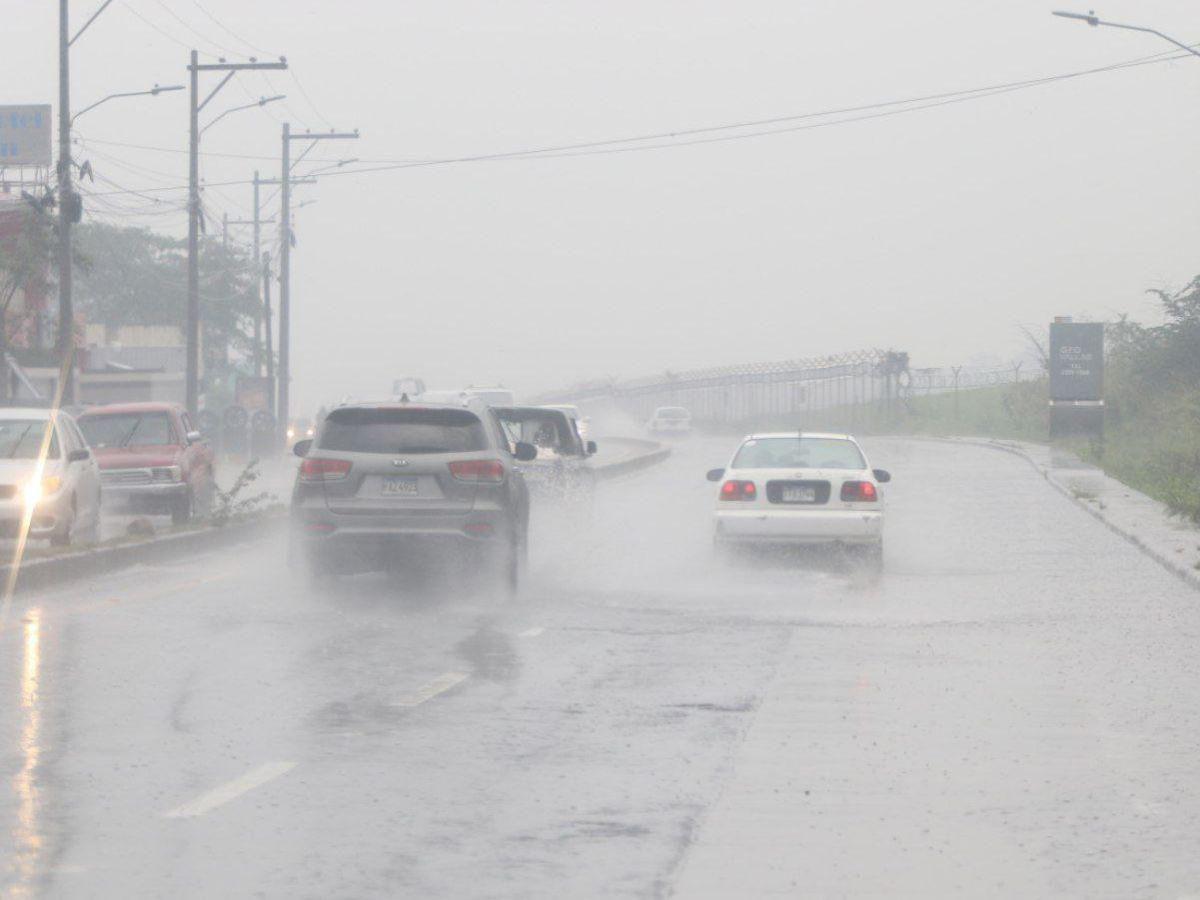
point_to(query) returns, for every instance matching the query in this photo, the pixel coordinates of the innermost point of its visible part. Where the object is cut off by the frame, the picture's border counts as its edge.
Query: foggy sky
(937, 232)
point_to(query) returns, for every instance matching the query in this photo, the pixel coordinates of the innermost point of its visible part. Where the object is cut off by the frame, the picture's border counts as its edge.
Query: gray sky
(937, 232)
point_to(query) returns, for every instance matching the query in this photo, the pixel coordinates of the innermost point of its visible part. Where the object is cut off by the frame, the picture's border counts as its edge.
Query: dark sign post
(1076, 379)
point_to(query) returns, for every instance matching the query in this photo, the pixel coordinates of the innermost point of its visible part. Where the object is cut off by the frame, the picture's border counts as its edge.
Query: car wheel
(512, 565)
(183, 507)
(872, 557)
(203, 505)
(61, 536)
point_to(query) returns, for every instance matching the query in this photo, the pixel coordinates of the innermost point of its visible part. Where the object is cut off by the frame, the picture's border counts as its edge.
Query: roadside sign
(253, 392)
(1076, 361)
(25, 133)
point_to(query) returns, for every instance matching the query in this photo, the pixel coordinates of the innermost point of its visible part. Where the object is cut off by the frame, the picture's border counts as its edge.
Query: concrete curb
(48, 571)
(1143, 521)
(649, 453)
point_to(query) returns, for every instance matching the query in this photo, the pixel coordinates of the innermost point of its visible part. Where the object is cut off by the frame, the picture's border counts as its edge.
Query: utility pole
(66, 208)
(194, 211)
(225, 231)
(285, 260)
(258, 313)
(266, 283)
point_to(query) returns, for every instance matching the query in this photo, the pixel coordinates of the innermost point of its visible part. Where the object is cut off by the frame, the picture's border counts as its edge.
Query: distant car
(562, 464)
(152, 459)
(58, 494)
(799, 488)
(299, 430)
(385, 484)
(492, 395)
(488, 396)
(670, 420)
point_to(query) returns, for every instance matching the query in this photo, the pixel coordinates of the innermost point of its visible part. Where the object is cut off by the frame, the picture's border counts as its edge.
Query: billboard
(1076, 361)
(25, 133)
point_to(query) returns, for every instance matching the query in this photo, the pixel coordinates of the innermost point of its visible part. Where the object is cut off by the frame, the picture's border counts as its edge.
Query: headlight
(35, 490)
(291, 432)
(308, 433)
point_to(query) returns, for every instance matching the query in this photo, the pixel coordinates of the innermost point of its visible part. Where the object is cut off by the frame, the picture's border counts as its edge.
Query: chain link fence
(845, 391)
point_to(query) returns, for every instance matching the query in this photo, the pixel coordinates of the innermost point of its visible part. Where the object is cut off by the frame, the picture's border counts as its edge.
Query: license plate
(400, 487)
(799, 495)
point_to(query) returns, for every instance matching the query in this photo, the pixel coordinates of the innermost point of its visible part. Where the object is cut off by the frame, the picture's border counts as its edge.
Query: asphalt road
(1010, 710)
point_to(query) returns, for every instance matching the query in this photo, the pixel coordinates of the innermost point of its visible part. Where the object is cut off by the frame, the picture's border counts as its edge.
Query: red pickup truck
(152, 459)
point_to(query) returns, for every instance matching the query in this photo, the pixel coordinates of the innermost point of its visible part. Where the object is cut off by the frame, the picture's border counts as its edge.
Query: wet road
(1011, 709)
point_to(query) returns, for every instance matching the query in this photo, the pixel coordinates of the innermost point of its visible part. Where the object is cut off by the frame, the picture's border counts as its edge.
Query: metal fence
(848, 390)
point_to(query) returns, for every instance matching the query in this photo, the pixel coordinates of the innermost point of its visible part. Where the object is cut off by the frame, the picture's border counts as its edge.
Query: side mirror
(883, 476)
(590, 447)
(524, 452)
(301, 448)
(194, 437)
(715, 474)
(79, 456)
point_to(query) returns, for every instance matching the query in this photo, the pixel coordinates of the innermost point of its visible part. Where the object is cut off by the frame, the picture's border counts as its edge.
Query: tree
(26, 251)
(133, 276)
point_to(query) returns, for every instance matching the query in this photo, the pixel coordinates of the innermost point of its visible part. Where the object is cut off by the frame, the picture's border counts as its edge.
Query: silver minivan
(383, 486)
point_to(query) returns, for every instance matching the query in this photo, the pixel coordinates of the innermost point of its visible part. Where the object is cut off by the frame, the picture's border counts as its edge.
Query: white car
(800, 488)
(56, 496)
(670, 420)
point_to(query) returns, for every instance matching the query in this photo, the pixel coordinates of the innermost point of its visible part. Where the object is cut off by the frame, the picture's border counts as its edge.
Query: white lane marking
(439, 685)
(231, 790)
(531, 632)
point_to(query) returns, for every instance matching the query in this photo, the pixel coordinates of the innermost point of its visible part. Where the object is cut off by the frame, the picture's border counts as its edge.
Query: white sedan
(670, 420)
(800, 488)
(49, 479)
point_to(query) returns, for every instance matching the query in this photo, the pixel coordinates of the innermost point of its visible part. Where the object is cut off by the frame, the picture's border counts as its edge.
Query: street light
(153, 92)
(1093, 20)
(262, 101)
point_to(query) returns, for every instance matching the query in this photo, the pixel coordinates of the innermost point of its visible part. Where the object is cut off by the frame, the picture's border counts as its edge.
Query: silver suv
(386, 485)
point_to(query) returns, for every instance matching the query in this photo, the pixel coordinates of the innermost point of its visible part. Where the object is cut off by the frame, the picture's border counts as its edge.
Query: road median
(631, 455)
(40, 571)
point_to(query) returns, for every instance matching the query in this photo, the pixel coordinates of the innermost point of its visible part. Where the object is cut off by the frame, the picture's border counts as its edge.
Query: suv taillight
(315, 468)
(489, 470)
(859, 492)
(738, 490)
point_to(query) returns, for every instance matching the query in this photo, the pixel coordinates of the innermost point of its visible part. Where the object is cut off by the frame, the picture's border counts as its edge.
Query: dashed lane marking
(231, 790)
(439, 685)
(531, 632)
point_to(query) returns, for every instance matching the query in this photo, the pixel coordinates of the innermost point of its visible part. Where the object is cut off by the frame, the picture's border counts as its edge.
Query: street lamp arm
(260, 102)
(1094, 20)
(153, 92)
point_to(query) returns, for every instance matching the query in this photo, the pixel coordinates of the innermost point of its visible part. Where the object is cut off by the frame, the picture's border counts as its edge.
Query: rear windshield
(364, 430)
(22, 439)
(148, 429)
(799, 453)
(673, 412)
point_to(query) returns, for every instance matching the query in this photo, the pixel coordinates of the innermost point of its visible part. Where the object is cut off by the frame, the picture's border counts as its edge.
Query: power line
(197, 34)
(233, 34)
(668, 139)
(165, 34)
(308, 99)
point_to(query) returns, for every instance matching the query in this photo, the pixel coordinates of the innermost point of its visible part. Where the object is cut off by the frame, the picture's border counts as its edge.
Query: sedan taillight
(859, 492)
(316, 468)
(488, 470)
(738, 490)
